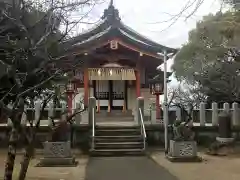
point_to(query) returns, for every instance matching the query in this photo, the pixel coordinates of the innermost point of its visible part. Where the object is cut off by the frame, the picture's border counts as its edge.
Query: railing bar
(143, 129)
(142, 123)
(93, 127)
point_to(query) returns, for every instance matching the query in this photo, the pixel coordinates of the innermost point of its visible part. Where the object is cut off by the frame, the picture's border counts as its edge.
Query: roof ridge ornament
(111, 3)
(111, 13)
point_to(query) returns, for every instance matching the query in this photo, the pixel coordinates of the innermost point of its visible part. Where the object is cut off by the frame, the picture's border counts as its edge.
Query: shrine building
(116, 64)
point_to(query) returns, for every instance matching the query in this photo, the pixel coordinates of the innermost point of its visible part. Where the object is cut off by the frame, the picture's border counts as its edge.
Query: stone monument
(57, 151)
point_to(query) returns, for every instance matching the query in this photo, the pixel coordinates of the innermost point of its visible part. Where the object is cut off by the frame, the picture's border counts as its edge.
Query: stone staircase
(115, 116)
(117, 140)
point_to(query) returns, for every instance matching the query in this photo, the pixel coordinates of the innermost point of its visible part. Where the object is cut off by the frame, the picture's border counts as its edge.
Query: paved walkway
(125, 168)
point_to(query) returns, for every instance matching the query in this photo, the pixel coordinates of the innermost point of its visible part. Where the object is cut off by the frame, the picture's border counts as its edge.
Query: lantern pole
(158, 110)
(165, 104)
(70, 92)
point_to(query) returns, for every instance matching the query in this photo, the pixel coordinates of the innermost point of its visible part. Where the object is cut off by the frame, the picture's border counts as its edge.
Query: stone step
(119, 145)
(122, 130)
(116, 132)
(115, 127)
(118, 139)
(114, 113)
(114, 119)
(118, 152)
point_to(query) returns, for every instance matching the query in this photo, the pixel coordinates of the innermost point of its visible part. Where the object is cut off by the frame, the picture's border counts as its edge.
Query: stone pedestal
(183, 151)
(139, 105)
(57, 154)
(224, 141)
(153, 117)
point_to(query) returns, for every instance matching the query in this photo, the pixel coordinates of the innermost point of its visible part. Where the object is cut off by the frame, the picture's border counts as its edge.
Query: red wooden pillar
(86, 88)
(138, 84)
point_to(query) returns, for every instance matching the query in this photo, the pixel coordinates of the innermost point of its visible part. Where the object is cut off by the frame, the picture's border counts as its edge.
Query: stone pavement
(212, 168)
(125, 168)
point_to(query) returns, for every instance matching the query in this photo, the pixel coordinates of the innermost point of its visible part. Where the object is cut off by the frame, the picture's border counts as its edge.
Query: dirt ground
(48, 173)
(212, 167)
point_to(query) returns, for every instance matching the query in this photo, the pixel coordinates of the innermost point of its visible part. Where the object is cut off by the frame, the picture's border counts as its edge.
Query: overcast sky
(148, 18)
(152, 18)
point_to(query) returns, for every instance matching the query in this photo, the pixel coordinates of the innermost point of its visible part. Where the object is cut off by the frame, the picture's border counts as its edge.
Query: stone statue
(182, 146)
(181, 132)
(60, 132)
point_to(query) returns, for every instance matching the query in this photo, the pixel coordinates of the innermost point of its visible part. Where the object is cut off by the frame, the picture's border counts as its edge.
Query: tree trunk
(29, 150)
(28, 154)
(9, 165)
(25, 161)
(16, 123)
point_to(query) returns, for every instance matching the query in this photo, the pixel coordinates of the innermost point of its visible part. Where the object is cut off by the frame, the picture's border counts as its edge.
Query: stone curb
(40, 152)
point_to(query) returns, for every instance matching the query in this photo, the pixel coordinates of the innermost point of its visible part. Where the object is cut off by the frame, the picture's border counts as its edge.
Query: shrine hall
(116, 64)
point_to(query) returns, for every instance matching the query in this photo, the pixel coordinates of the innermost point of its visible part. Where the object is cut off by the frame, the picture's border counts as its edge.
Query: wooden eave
(146, 40)
(104, 38)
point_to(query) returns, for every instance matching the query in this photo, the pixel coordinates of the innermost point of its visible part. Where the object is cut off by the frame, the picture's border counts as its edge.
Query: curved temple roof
(111, 27)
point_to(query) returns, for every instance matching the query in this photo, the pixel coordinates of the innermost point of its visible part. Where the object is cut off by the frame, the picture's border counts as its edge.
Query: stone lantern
(156, 88)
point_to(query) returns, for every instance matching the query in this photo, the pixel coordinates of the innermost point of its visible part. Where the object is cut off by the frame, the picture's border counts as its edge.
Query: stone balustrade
(203, 116)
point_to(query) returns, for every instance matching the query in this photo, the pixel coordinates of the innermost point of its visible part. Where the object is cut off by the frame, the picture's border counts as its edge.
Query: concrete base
(184, 159)
(224, 140)
(221, 147)
(57, 162)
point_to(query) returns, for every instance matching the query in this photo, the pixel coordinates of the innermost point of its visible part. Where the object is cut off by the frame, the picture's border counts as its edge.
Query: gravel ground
(212, 168)
(49, 173)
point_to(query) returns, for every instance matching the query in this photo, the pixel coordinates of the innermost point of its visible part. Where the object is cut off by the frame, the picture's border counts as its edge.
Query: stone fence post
(78, 116)
(50, 113)
(202, 114)
(214, 114)
(9, 121)
(235, 115)
(226, 107)
(24, 116)
(139, 104)
(91, 110)
(190, 112)
(64, 111)
(153, 115)
(178, 113)
(37, 109)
